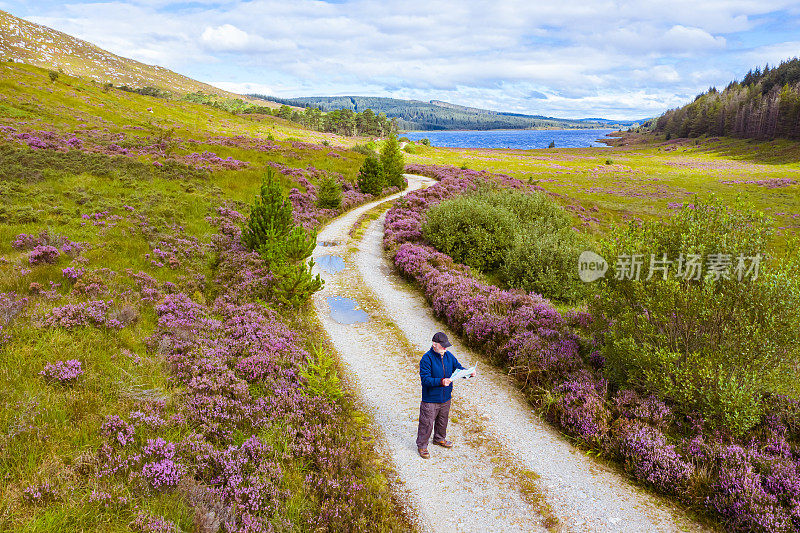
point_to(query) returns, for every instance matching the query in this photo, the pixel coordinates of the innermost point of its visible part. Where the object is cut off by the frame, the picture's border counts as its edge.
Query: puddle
(329, 243)
(332, 264)
(343, 310)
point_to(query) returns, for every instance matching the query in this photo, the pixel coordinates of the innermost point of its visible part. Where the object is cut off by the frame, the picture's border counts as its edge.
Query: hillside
(764, 105)
(34, 44)
(147, 378)
(137, 203)
(439, 115)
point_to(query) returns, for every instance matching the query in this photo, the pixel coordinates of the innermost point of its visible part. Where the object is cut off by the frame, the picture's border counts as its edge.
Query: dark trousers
(432, 416)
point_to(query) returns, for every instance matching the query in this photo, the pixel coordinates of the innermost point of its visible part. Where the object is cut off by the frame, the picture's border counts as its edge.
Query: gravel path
(484, 482)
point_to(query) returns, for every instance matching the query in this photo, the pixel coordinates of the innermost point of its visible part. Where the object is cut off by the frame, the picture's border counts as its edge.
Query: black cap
(441, 338)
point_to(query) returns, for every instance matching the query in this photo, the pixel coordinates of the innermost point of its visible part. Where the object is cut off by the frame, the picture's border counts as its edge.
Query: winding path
(507, 465)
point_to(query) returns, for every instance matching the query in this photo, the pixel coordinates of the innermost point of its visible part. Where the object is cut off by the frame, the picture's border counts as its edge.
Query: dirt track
(486, 481)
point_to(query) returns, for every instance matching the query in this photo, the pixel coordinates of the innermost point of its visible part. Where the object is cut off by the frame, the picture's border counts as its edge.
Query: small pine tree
(271, 232)
(392, 162)
(370, 176)
(53, 75)
(329, 193)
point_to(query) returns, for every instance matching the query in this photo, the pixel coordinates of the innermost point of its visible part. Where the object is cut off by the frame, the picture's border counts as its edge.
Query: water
(343, 310)
(516, 139)
(332, 264)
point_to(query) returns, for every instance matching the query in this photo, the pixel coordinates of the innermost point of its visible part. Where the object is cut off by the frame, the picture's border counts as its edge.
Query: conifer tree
(329, 193)
(370, 176)
(271, 232)
(392, 162)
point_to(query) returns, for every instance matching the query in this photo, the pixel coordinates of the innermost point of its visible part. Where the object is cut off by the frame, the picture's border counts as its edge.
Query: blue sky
(621, 60)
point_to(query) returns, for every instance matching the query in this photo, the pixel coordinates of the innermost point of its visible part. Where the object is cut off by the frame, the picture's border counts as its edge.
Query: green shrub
(425, 141)
(714, 345)
(544, 255)
(410, 149)
(53, 75)
(363, 149)
(525, 239)
(531, 208)
(271, 232)
(321, 376)
(329, 193)
(545, 262)
(370, 176)
(467, 230)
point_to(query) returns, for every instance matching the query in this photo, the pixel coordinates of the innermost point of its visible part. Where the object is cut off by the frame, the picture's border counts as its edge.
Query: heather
(149, 379)
(742, 475)
(647, 175)
(229, 415)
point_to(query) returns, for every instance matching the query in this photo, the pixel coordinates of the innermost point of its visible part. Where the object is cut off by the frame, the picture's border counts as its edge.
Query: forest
(438, 115)
(764, 105)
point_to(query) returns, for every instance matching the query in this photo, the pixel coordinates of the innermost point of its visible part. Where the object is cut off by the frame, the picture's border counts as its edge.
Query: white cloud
(226, 38)
(773, 53)
(243, 88)
(229, 38)
(682, 39)
(658, 73)
(594, 55)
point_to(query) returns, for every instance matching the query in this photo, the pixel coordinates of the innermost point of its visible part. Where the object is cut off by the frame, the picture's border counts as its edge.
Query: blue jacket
(432, 369)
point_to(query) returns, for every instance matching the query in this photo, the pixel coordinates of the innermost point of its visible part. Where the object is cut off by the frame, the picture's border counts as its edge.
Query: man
(435, 369)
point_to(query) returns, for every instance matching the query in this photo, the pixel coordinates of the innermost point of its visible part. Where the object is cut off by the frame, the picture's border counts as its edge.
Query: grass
(72, 101)
(50, 432)
(363, 222)
(646, 175)
(506, 468)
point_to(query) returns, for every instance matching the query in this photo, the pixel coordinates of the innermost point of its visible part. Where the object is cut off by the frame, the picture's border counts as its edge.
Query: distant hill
(611, 122)
(38, 45)
(764, 105)
(439, 115)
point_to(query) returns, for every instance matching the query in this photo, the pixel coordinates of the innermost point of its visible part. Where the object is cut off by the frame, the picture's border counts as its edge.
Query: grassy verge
(129, 179)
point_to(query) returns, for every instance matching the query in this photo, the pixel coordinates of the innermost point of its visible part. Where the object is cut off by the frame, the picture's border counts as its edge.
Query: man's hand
(445, 382)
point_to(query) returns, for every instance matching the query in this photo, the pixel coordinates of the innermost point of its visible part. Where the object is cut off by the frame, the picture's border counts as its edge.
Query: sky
(619, 60)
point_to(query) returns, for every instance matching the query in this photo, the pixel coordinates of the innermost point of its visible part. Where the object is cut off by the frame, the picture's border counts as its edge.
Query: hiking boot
(424, 453)
(443, 443)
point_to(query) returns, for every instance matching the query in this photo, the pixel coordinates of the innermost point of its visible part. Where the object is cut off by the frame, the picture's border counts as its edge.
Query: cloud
(229, 38)
(521, 55)
(226, 38)
(682, 39)
(658, 73)
(773, 53)
(244, 88)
